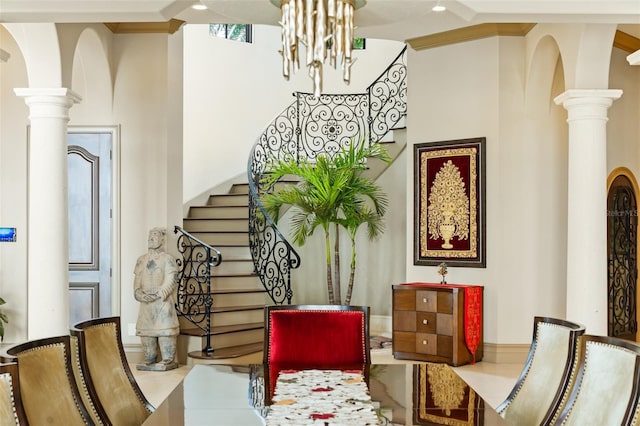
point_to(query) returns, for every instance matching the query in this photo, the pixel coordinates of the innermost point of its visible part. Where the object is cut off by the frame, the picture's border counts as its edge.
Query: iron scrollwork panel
(622, 263)
(388, 98)
(330, 122)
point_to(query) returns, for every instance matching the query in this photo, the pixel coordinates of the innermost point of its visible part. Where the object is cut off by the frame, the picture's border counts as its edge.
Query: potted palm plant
(332, 191)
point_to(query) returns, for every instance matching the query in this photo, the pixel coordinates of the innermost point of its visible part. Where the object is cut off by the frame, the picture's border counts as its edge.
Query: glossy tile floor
(492, 381)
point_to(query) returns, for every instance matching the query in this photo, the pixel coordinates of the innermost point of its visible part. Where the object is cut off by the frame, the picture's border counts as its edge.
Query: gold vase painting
(448, 206)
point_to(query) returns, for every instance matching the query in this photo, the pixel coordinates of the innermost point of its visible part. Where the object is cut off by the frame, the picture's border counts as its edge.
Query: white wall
(234, 90)
(477, 89)
(13, 188)
(623, 128)
(454, 94)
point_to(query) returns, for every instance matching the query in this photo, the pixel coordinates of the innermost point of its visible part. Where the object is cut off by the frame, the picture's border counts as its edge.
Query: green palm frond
(330, 190)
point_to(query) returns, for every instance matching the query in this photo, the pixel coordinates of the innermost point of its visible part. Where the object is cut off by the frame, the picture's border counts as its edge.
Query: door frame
(115, 207)
(624, 171)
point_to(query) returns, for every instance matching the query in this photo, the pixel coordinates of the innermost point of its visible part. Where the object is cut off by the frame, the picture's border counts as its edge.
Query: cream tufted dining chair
(606, 385)
(48, 389)
(11, 410)
(85, 385)
(545, 378)
(101, 349)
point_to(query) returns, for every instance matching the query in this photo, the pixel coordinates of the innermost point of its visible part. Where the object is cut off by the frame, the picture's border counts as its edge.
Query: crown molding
(473, 32)
(168, 27)
(626, 42)
(622, 40)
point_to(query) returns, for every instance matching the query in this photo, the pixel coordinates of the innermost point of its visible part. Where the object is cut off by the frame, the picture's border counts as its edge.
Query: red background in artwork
(433, 167)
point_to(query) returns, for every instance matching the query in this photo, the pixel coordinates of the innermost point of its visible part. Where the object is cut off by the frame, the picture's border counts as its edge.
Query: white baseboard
(380, 325)
(506, 353)
(134, 353)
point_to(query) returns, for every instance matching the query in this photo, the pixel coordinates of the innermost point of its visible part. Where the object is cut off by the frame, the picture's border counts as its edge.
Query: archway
(622, 255)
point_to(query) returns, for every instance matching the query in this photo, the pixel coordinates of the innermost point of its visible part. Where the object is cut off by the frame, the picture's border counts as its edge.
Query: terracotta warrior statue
(154, 287)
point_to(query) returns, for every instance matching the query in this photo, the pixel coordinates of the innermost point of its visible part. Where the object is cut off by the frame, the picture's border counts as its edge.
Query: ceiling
(387, 19)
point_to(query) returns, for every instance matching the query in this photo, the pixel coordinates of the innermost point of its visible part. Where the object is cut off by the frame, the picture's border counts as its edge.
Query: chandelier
(325, 27)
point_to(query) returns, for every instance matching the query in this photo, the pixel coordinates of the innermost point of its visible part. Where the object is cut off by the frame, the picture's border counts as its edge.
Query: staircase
(238, 297)
(221, 299)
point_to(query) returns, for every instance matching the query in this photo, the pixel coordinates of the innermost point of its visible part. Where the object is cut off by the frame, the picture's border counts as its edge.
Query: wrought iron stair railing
(311, 126)
(195, 298)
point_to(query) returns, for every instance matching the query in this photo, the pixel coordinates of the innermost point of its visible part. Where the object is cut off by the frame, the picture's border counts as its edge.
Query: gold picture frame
(449, 203)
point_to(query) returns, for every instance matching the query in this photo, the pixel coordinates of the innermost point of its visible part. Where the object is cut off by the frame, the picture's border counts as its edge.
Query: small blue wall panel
(7, 235)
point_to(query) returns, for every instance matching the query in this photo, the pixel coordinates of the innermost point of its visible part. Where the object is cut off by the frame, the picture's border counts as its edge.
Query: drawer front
(426, 322)
(404, 321)
(427, 300)
(445, 346)
(404, 300)
(404, 341)
(426, 343)
(444, 324)
(445, 302)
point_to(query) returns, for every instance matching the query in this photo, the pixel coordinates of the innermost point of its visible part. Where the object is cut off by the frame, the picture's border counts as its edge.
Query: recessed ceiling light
(438, 7)
(199, 7)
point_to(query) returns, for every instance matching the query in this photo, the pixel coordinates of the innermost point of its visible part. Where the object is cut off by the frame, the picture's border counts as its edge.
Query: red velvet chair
(315, 336)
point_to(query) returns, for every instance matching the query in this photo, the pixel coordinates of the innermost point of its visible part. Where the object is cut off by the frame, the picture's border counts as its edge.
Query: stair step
(233, 267)
(223, 329)
(239, 188)
(227, 318)
(228, 200)
(229, 352)
(235, 252)
(219, 341)
(218, 212)
(230, 296)
(236, 281)
(215, 225)
(216, 239)
(238, 290)
(221, 309)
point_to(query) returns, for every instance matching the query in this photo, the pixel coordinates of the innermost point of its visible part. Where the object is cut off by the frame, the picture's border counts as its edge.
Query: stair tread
(238, 290)
(215, 218)
(219, 232)
(230, 352)
(234, 275)
(220, 309)
(206, 206)
(222, 329)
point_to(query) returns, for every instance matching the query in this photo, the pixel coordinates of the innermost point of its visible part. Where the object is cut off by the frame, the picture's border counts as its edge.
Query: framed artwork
(441, 397)
(449, 203)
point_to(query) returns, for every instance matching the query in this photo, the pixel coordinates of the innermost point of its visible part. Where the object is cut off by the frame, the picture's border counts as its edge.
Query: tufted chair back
(607, 384)
(85, 385)
(11, 410)
(317, 335)
(48, 389)
(101, 348)
(545, 378)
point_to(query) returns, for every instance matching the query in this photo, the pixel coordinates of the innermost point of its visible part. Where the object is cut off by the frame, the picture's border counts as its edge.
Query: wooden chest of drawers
(428, 323)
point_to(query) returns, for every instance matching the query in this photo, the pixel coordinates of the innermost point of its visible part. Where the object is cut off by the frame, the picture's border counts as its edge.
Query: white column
(48, 220)
(587, 206)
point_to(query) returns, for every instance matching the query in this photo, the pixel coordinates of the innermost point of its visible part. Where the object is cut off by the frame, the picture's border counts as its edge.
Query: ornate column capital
(587, 103)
